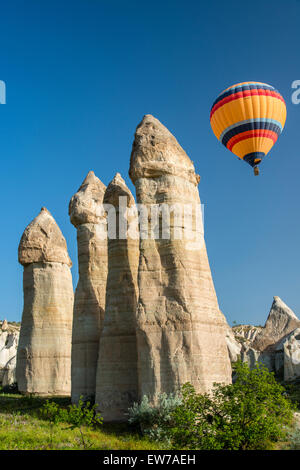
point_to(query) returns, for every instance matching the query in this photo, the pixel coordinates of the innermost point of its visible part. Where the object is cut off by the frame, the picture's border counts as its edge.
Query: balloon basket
(256, 171)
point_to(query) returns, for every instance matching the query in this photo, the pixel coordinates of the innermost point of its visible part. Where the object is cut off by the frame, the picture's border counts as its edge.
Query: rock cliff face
(291, 354)
(180, 329)
(280, 322)
(9, 338)
(234, 347)
(86, 215)
(246, 334)
(276, 345)
(117, 375)
(44, 351)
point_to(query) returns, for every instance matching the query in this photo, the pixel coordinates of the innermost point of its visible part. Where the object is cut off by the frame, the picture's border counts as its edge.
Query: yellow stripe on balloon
(253, 144)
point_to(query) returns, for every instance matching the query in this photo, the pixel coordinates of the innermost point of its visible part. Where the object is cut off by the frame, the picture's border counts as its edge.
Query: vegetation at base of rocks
(293, 391)
(152, 421)
(81, 416)
(253, 413)
(23, 428)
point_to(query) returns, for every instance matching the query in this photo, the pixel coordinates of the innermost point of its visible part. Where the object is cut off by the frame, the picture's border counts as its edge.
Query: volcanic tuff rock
(280, 322)
(276, 345)
(246, 333)
(117, 374)
(44, 351)
(233, 346)
(181, 331)
(9, 338)
(291, 349)
(42, 241)
(87, 215)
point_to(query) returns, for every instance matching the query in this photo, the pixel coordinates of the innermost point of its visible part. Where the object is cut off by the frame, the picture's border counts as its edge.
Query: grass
(22, 428)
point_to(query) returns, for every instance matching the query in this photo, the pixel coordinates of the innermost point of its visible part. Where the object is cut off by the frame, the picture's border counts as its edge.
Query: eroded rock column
(44, 351)
(181, 331)
(87, 216)
(117, 375)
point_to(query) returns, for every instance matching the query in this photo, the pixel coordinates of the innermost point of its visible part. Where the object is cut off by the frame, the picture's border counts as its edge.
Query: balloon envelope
(248, 118)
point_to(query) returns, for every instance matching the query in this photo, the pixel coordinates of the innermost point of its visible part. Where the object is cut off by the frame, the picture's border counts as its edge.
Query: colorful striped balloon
(248, 118)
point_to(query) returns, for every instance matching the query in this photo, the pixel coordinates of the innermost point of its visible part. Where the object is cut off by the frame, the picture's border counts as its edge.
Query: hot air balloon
(248, 118)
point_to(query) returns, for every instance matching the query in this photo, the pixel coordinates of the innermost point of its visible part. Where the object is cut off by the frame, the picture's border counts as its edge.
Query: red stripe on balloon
(244, 94)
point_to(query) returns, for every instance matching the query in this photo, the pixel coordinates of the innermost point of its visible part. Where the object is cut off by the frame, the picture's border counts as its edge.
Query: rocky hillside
(276, 344)
(9, 338)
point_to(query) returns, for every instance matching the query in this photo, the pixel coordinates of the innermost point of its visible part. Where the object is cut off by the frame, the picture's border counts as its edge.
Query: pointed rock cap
(4, 325)
(156, 152)
(85, 205)
(280, 322)
(280, 315)
(117, 188)
(42, 241)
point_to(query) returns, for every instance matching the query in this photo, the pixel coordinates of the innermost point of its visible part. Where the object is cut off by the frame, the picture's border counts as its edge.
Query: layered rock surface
(44, 351)
(276, 344)
(117, 375)
(9, 338)
(180, 329)
(87, 215)
(291, 354)
(280, 322)
(233, 346)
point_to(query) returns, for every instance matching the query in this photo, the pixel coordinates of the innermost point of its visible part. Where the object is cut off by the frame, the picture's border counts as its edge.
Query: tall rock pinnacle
(180, 329)
(44, 351)
(87, 216)
(117, 374)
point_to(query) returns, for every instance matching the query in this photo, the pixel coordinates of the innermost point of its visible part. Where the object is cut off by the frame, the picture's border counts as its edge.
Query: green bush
(153, 421)
(250, 414)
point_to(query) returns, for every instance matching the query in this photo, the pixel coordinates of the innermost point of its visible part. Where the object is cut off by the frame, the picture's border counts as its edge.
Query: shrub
(252, 413)
(77, 416)
(154, 420)
(249, 414)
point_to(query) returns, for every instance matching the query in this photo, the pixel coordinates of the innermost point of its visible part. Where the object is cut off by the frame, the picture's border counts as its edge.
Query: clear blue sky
(81, 74)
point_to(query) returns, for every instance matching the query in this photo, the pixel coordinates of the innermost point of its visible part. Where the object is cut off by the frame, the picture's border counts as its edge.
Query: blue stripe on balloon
(249, 127)
(251, 157)
(249, 121)
(257, 85)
